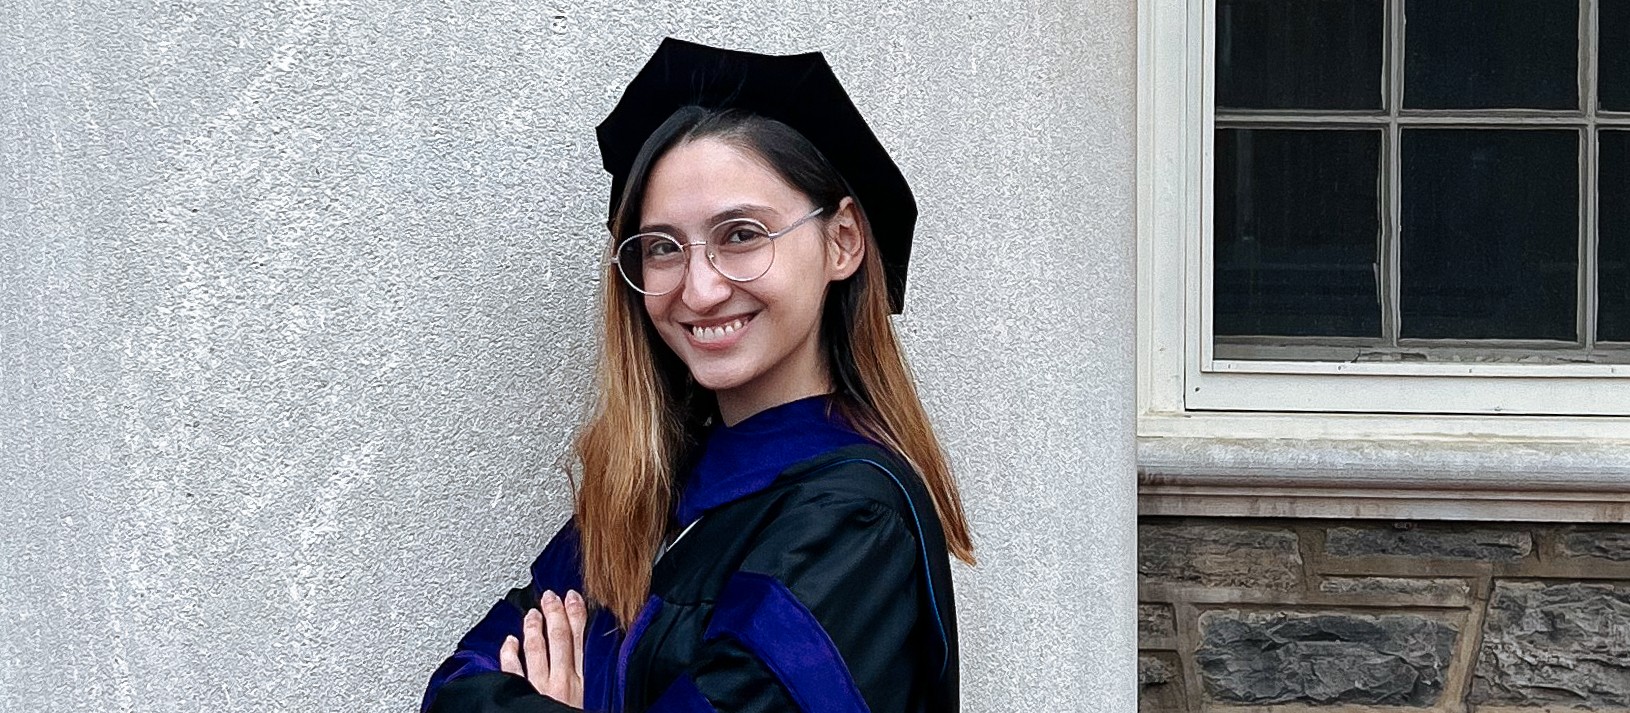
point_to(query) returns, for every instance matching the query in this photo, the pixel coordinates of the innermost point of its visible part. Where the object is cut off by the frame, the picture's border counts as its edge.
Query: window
(1408, 217)
(1426, 179)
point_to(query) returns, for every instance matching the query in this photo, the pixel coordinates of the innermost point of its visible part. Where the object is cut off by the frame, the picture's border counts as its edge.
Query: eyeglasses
(740, 249)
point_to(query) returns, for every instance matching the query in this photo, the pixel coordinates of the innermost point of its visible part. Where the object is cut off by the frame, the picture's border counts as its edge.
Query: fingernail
(572, 597)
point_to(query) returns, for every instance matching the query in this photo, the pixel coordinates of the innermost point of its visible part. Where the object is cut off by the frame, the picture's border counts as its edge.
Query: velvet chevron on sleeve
(828, 602)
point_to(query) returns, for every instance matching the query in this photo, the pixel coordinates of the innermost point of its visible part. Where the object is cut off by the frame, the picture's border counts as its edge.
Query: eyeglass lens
(655, 263)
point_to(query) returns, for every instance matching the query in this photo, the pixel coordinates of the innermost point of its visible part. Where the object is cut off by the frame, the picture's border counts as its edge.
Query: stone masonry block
(1219, 556)
(1155, 621)
(1324, 658)
(1405, 586)
(1597, 542)
(1152, 672)
(1555, 645)
(1431, 543)
(1160, 684)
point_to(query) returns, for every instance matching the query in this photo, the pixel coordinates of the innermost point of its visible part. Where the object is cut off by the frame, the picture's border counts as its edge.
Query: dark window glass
(1491, 54)
(1613, 284)
(1490, 233)
(1297, 223)
(1299, 54)
(1613, 19)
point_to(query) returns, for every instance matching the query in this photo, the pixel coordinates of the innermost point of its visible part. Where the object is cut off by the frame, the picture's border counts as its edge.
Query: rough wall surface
(1382, 616)
(295, 323)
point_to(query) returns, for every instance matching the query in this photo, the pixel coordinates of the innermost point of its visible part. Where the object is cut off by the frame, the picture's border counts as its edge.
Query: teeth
(708, 334)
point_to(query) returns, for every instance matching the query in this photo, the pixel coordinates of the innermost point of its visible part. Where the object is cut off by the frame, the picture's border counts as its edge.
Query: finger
(562, 672)
(509, 656)
(537, 656)
(577, 614)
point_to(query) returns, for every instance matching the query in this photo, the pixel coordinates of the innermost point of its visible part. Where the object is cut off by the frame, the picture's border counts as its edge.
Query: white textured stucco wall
(294, 324)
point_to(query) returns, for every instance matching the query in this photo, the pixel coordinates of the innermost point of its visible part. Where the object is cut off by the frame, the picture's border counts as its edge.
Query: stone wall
(1355, 615)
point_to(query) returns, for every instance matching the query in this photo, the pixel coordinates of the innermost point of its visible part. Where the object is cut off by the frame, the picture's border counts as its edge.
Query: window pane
(1461, 54)
(1613, 309)
(1299, 54)
(1297, 223)
(1613, 19)
(1490, 234)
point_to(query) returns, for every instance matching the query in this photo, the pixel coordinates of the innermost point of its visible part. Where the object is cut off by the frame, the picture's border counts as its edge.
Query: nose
(704, 287)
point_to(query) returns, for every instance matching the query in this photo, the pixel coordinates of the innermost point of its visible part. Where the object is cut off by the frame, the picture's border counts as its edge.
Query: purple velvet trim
(682, 697)
(488, 634)
(477, 651)
(635, 631)
(764, 616)
(743, 459)
(600, 642)
(558, 568)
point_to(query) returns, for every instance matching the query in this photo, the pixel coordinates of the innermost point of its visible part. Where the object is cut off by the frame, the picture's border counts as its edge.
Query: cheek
(655, 307)
(798, 298)
(804, 278)
(656, 313)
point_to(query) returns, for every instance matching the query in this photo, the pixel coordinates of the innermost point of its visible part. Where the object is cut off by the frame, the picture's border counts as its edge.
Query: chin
(716, 379)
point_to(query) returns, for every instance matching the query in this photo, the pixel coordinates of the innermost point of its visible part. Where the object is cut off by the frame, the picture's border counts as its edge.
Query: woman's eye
(743, 234)
(659, 248)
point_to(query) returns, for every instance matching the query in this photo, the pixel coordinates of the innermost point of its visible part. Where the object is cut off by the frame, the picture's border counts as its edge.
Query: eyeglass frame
(712, 256)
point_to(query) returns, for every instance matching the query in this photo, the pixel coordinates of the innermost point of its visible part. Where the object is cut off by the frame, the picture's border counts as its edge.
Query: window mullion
(1590, 170)
(1391, 276)
(1589, 265)
(1588, 94)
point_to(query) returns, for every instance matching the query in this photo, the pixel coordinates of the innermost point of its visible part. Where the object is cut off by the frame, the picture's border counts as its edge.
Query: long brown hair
(649, 417)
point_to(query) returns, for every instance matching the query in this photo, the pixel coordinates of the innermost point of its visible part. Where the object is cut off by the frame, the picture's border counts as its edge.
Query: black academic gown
(824, 586)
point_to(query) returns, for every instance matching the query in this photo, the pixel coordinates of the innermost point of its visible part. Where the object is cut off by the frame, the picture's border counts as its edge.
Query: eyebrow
(741, 210)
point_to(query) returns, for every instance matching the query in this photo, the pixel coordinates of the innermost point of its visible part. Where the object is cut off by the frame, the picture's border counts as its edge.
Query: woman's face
(754, 344)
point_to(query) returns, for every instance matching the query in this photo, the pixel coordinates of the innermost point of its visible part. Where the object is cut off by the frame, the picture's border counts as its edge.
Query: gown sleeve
(819, 618)
(471, 680)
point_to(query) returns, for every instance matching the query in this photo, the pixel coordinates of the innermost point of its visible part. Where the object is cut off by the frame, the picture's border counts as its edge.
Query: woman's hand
(553, 646)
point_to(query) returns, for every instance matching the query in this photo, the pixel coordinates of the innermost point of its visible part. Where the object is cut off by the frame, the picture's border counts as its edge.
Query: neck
(738, 404)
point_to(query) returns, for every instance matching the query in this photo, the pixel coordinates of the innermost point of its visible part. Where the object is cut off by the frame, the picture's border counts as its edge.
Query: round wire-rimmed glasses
(741, 249)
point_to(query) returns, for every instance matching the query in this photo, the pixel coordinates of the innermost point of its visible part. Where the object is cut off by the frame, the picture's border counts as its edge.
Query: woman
(764, 517)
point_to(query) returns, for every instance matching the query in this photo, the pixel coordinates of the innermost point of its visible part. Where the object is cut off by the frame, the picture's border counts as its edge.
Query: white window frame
(1420, 428)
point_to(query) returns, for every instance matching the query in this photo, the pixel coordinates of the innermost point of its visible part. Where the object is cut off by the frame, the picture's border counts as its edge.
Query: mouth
(719, 332)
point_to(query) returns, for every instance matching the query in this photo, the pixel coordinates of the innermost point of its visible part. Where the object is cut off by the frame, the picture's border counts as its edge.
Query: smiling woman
(765, 517)
(754, 343)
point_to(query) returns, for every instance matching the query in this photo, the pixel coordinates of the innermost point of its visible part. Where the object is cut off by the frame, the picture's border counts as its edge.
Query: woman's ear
(846, 244)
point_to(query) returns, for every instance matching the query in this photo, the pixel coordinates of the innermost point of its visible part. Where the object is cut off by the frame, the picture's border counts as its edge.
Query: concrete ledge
(1385, 479)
